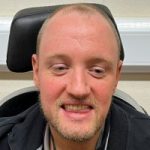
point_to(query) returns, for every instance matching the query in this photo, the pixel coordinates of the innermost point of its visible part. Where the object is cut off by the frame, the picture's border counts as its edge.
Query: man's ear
(118, 72)
(35, 66)
(120, 63)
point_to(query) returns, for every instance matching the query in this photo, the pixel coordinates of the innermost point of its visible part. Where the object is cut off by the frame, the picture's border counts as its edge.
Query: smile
(76, 107)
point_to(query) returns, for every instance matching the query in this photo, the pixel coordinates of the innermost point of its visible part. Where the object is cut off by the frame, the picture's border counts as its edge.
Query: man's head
(76, 69)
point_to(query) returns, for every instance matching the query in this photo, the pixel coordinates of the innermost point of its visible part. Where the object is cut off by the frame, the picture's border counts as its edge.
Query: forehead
(87, 29)
(76, 20)
(67, 17)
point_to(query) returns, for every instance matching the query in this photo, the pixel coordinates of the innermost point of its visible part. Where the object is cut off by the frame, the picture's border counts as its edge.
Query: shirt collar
(46, 144)
(47, 139)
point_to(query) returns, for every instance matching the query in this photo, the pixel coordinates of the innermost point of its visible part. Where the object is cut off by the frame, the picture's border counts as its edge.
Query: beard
(74, 134)
(72, 131)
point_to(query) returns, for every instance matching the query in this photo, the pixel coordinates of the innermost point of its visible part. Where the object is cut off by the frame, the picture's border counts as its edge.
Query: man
(76, 69)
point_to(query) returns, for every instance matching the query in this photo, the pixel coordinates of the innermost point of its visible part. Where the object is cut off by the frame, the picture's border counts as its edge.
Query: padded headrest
(23, 35)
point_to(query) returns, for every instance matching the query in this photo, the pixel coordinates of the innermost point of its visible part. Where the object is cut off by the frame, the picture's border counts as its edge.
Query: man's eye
(59, 69)
(97, 72)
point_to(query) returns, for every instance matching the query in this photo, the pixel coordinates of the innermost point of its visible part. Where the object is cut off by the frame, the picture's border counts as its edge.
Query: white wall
(137, 85)
(124, 8)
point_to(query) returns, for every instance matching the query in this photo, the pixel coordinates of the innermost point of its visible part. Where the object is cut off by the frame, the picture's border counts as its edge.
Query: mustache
(92, 102)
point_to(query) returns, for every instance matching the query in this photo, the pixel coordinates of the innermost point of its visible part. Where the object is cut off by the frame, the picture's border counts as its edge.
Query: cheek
(50, 89)
(103, 92)
(104, 89)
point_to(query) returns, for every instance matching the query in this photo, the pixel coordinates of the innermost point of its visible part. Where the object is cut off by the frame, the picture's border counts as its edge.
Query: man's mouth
(76, 107)
(77, 111)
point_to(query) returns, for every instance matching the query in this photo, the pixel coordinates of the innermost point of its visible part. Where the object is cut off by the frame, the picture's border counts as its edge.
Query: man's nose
(78, 85)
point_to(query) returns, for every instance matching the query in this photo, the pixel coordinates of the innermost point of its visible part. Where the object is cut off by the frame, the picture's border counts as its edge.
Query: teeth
(76, 107)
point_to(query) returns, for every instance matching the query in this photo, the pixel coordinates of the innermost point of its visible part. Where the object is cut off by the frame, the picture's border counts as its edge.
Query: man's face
(77, 71)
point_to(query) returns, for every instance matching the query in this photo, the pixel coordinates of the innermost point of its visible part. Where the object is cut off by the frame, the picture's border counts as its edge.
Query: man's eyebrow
(58, 56)
(100, 60)
(91, 61)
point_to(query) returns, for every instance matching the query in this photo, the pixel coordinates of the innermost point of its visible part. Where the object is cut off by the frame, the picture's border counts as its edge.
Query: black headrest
(23, 35)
